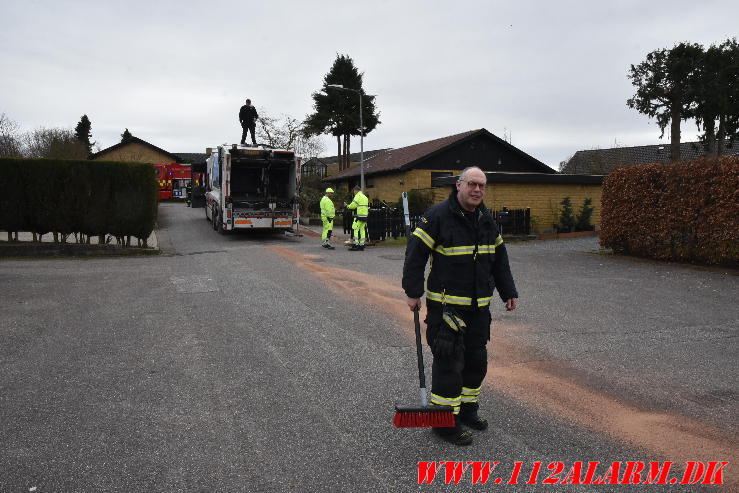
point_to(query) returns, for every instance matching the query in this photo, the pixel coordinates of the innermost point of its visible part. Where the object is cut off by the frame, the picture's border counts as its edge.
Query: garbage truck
(252, 187)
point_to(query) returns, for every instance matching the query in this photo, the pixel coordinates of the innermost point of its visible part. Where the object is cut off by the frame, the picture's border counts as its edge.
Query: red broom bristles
(423, 419)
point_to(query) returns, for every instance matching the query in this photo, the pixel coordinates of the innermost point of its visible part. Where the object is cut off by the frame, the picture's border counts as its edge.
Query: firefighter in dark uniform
(248, 118)
(469, 261)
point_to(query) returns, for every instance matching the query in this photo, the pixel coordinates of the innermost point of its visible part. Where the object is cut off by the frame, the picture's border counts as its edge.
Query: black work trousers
(468, 365)
(248, 127)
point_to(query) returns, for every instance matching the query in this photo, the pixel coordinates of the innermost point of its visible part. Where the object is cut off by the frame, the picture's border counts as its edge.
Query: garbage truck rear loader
(252, 188)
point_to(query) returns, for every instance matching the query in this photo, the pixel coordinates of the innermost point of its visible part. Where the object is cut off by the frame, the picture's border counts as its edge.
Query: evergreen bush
(312, 190)
(90, 198)
(583, 220)
(566, 219)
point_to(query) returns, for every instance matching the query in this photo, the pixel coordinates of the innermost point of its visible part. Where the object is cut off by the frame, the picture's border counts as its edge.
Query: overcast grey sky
(553, 74)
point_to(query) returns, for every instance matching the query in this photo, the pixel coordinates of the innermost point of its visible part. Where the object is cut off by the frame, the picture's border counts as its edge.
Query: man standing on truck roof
(248, 118)
(327, 218)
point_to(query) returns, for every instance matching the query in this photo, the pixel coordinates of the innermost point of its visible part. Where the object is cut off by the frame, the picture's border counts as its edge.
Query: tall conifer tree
(83, 132)
(665, 88)
(717, 96)
(337, 111)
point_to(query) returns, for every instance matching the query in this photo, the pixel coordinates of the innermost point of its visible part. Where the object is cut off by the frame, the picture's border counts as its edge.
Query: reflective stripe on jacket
(327, 207)
(361, 204)
(467, 263)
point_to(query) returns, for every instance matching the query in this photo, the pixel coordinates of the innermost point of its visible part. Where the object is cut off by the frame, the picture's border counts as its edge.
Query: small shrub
(311, 191)
(566, 219)
(583, 221)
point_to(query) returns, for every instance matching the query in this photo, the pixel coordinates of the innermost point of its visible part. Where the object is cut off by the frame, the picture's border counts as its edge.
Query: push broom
(423, 415)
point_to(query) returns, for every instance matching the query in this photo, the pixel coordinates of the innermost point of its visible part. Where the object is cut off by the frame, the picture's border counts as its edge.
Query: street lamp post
(361, 130)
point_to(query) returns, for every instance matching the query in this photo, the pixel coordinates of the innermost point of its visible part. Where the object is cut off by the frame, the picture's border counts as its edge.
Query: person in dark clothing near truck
(469, 261)
(248, 118)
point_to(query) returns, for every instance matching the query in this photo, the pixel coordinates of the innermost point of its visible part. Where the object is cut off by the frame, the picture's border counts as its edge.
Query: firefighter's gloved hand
(450, 336)
(444, 344)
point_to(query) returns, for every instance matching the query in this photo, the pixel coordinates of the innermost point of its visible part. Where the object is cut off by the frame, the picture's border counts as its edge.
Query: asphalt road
(256, 362)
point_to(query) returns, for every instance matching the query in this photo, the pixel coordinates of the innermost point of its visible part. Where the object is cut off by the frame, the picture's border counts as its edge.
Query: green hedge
(686, 211)
(93, 198)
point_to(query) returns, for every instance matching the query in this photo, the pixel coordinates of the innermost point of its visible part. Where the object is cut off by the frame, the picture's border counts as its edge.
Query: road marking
(194, 284)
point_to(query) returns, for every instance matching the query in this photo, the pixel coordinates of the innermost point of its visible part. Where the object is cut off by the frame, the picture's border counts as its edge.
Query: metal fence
(383, 222)
(387, 222)
(514, 221)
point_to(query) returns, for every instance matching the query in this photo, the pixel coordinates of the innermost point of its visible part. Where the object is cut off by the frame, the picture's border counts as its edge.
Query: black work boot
(456, 435)
(468, 416)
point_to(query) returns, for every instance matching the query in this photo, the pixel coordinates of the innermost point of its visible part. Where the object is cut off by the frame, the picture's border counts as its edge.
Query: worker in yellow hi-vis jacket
(327, 218)
(360, 205)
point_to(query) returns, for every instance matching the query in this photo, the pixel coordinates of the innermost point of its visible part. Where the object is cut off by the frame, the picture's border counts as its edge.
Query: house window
(439, 174)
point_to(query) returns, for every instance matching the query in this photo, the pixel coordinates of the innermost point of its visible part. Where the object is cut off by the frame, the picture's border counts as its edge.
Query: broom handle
(419, 353)
(419, 349)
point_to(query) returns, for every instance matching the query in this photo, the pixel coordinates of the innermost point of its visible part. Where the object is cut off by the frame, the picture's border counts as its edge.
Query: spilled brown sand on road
(530, 377)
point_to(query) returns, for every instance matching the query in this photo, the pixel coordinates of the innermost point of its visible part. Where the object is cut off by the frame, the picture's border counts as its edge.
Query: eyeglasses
(474, 184)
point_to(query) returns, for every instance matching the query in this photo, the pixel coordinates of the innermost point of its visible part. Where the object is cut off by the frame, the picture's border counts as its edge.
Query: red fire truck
(173, 179)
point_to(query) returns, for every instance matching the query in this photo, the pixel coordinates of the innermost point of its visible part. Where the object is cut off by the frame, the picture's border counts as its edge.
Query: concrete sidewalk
(337, 236)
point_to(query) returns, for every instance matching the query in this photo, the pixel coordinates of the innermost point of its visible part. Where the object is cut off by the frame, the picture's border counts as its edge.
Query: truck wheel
(206, 214)
(220, 227)
(214, 217)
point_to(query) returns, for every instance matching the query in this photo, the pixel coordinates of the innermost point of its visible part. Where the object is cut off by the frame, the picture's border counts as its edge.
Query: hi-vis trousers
(328, 226)
(458, 378)
(359, 231)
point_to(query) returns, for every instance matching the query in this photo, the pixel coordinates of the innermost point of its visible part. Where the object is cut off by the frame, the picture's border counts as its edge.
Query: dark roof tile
(192, 157)
(403, 157)
(393, 159)
(603, 161)
(136, 140)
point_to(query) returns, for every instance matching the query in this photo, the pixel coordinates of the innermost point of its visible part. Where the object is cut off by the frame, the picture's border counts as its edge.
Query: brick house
(393, 171)
(135, 149)
(516, 179)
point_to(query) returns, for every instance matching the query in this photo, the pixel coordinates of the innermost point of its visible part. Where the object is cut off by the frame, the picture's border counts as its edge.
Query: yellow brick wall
(135, 152)
(543, 200)
(389, 187)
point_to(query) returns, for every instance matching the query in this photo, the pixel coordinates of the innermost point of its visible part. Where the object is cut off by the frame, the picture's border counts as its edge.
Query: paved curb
(336, 238)
(50, 249)
(70, 249)
(562, 236)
